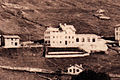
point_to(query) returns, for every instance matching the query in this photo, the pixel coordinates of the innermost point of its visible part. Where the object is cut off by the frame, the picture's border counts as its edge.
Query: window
(12, 39)
(69, 37)
(88, 39)
(70, 70)
(65, 36)
(83, 40)
(77, 70)
(116, 33)
(93, 40)
(73, 70)
(60, 41)
(65, 42)
(53, 41)
(72, 37)
(69, 41)
(48, 41)
(53, 36)
(15, 43)
(77, 39)
(45, 41)
(116, 29)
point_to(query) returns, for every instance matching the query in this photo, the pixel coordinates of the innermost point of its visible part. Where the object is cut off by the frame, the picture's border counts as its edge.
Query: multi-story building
(60, 37)
(65, 37)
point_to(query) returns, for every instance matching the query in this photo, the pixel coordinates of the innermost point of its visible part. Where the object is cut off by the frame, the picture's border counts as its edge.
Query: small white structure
(75, 70)
(100, 11)
(10, 41)
(117, 34)
(65, 36)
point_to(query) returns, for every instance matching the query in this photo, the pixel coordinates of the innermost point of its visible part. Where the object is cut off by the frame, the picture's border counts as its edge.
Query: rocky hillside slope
(29, 18)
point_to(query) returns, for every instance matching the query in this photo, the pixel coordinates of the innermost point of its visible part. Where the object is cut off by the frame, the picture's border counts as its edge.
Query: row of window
(77, 40)
(74, 70)
(48, 32)
(86, 40)
(66, 42)
(61, 36)
(12, 39)
(65, 37)
(14, 43)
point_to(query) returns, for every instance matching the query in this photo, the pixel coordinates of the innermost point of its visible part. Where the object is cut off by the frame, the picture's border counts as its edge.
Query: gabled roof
(52, 29)
(76, 65)
(66, 27)
(11, 36)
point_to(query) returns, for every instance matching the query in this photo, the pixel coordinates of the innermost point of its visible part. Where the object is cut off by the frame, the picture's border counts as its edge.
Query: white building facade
(75, 70)
(117, 34)
(65, 36)
(10, 41)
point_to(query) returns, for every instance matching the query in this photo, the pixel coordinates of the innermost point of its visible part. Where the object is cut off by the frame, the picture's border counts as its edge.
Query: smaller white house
(75, 70)
(10, 41)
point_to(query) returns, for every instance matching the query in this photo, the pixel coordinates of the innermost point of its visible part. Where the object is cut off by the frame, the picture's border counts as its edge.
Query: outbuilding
(10, 41)
(75, 70)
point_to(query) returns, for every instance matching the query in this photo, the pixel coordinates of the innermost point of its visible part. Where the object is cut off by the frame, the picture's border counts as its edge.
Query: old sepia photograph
(59, 39)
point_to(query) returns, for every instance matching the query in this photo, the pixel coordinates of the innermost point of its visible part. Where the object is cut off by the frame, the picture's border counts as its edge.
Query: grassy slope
(50, 13)
(31, 57)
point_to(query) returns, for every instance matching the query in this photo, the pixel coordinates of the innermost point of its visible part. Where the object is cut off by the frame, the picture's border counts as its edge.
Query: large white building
(10, 41)
(65, 36)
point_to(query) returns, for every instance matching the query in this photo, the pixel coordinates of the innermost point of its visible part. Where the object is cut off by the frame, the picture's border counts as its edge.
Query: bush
(91, 75)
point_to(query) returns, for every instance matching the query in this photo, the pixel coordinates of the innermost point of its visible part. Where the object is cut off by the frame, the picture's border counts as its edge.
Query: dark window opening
(77, 39)
(83, 40)
(93, 39)
(116, 33)
(48, 41)
(88, 39)
(69, 36)
(72, 37)
(70, 70)
(60, 41)
(15, 43)
(73, 70)
(77, 70)
(45, 41)
(65, 42)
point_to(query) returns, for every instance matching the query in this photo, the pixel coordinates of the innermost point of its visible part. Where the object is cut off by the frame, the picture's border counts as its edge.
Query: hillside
(29, 18)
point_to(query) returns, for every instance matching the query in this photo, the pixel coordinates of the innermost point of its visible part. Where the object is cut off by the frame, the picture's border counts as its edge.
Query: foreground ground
(108, 63)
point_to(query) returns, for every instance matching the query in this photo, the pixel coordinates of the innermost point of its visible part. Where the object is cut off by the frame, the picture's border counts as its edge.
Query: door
(65, 42)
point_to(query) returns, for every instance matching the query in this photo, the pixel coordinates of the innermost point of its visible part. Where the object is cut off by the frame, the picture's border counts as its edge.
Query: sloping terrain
(29, 18)
(31, 57)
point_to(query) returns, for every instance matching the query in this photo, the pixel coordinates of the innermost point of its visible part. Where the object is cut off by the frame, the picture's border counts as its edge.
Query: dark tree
(91, 75)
